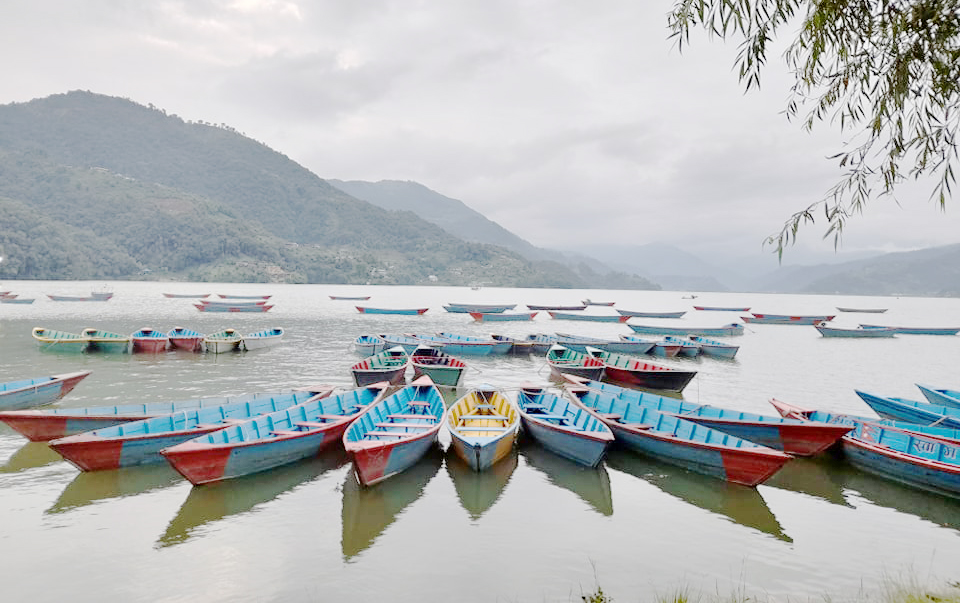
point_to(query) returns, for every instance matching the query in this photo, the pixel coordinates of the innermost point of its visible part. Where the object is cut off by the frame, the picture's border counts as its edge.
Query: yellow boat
(483, 426)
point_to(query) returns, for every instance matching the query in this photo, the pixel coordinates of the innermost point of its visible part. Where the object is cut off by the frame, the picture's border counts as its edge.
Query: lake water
(535, 528)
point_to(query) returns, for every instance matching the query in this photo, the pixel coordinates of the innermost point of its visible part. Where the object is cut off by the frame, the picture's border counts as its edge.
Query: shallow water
(551, 529)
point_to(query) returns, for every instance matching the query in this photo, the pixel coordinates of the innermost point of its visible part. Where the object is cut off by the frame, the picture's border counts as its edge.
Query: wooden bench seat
(552, 417)
(485, 406)
(462, 428)
(420, 404)
(409, 416)
(310, 424)
(376, 433)
(491, 417)
(408, 425)
(285, 432)
(534, 406)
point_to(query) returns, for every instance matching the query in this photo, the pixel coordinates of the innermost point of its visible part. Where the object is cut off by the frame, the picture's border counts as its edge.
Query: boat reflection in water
(30, 456)
(478, 490)
(741, 504)
(89, 487)
(813, 477)
(592, 484)
(211, 503)
(368, 511)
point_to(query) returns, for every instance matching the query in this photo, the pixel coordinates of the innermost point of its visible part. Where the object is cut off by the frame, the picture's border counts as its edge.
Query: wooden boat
(233, 307)
(232, 303)
(711, 347)
(943, 397)
(442, 368)
(185, 339)
(623, 346)
(541, 342)
(222, 296)
(499, 347)
(722, 308)
(483, 426)
(16, 300)
(481, 308)
(786, 319)
(559, 308)
(657, 347)
(563, 427)
(140, 442)
(93, 297)
(28, 393)
(106, 341)
(504, 317)
(149, 340)
(590, 302)
(858, 332)
(917, 330)
(631, 371)
(407, 342)
(518, 347)
(588, 317)
(271, 440)
(396, 432)
(793, 435)
(863, 310)
(915, 460)
(727, 330)
(368, 345)
(404, 311)
(688, 347)
(461, 347)
(642, 314)
(227, 340)
(564, 361)
(792, 411)
(46, 425)
(186, 295)
(912, 411)
(262, 339)
(59, 341)
(350, 297)
(681, 442)
(389, 365)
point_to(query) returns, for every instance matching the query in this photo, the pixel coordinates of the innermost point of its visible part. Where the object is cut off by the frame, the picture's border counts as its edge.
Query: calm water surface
(547, 529)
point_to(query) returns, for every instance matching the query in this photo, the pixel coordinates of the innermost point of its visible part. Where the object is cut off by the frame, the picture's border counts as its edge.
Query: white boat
(262, 339)
(223, 341)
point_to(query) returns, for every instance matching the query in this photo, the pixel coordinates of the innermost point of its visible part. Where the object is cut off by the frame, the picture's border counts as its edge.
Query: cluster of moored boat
(8, 297)
(226, 303)
(387, 430)
(149, 340)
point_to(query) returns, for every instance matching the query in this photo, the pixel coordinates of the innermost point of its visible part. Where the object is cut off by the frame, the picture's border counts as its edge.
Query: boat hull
(586, 317)
(493, 317)
(401, 311)
(725, 331)
(799, 440)
(375, 464)
(191, 344)
(884, 462)
(150, 346)
(37, 392)
(365, 377)
(575, 447)
(112, 453)
(445, 375)
(665, 380)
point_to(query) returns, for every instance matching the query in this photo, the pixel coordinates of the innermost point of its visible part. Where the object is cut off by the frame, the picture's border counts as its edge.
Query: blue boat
(541, 342)
(642, 314)
(271, 440)
(711, 347)
(402, 311)
(481, 308)
(499, 347)
(623, 346)
(393, 434)
(563, 427)
(503, 317)
(518, 347)
(903, 456)
(688, 347)
(459, 347)
(793, 435)
(28, 393)
(943, 397)
(681, 442)
(368, 345)
(912, 411)
(140, 442)
(728, 330)
(917, 330)
(587, 317)
(408, 342)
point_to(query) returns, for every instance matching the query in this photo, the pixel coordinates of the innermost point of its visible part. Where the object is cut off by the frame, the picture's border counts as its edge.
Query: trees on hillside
(886, 71)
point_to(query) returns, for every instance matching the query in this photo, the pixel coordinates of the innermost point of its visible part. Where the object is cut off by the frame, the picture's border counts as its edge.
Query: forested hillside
(94, 186)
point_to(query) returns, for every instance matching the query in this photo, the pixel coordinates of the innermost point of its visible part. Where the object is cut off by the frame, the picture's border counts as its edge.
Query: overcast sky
(563, 121)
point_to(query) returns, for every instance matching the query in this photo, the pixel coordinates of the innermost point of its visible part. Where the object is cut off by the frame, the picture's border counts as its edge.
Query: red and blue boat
(50, 424)
(402, 311)
(140, 442)
(481, 308)
(587, 317)
(621, 346)
(185, 339)
(28, 393)
(563, 427)
(564, 361)
(633, 371)
(681, 442)
(498, 348)
(271, 440)
(912, 411)
(393, 434)
(646, 314)
(503, 316)
(149, 341)
(728, 330)
(796, 436)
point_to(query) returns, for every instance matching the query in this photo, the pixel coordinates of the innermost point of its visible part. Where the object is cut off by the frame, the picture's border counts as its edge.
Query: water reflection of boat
(29, 456)
(90, 487)
(814, 477)
(212, 502)
(478, 490)
(592, 484)
(744, 506)
(367, 511)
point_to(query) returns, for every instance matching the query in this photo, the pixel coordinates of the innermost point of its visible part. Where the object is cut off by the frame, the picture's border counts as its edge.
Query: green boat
(442, 368)
(59, 341)
(105, 341)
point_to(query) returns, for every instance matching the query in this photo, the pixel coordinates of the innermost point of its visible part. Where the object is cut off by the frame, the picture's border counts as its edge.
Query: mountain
(93, 186)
